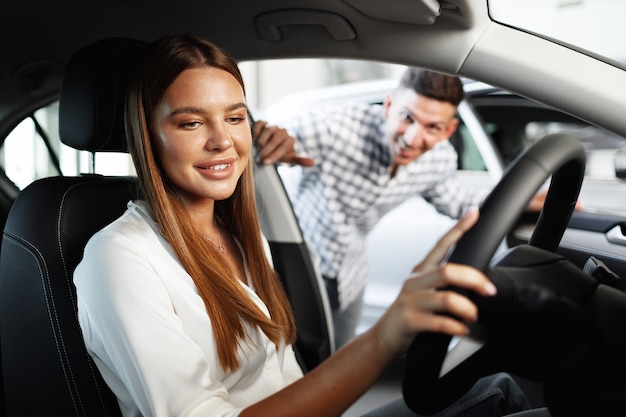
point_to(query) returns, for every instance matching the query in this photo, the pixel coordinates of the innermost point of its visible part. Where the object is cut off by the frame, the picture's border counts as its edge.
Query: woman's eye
(190, 125)
(234, 119)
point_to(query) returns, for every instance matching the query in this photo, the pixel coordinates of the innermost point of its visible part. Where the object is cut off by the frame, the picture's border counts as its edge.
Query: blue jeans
(346, 321)
(492, 396)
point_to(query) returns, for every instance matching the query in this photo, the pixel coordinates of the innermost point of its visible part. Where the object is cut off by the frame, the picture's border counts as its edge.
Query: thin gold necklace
(218, 245)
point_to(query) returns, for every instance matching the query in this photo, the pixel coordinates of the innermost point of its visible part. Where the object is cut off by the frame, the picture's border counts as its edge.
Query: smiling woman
(223, 323)
(194, 121)
(207, 134)
(522, 75)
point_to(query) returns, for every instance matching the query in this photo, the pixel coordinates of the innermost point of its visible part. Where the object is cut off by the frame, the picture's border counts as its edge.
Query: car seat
(46, 369)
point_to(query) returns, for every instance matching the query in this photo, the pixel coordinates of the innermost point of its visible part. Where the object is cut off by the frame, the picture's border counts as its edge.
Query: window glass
(279, 89)
(270, 81)
(25, 155)
(515, 123)
(33, 150)
(593, 25)
(18, 150)
(601, 145)
(469, 154)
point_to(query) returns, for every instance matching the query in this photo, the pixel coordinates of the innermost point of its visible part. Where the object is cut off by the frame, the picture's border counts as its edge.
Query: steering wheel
(436, 373)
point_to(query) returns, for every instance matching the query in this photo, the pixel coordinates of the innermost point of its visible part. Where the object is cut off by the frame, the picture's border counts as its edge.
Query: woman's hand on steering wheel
(419, 308)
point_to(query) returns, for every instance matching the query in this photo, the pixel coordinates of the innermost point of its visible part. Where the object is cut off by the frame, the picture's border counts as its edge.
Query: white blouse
(149, 333)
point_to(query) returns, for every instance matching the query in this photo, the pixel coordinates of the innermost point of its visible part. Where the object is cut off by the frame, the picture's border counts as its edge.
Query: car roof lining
(235, 31)
(457, 42)
(420, 12)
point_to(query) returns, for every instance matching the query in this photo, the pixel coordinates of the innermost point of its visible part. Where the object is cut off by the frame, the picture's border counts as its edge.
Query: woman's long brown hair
(226, 302)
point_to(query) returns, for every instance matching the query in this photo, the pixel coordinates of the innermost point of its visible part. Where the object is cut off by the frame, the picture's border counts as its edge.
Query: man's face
(415, 124)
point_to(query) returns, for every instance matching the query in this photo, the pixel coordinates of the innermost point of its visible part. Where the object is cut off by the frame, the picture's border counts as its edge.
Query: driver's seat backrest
(46, 368)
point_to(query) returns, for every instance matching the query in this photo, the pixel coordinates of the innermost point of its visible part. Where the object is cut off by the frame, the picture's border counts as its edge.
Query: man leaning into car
(359, 162)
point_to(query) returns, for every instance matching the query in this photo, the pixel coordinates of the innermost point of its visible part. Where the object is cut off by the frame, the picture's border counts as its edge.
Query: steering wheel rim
(559, 155)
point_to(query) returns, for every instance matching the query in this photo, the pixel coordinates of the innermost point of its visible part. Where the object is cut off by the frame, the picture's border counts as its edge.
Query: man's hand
(276, 145)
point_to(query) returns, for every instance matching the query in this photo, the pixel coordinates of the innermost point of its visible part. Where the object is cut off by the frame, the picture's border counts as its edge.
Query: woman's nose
(219, 139)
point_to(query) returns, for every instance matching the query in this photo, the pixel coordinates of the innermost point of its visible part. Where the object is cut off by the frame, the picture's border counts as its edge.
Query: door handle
(616, 235)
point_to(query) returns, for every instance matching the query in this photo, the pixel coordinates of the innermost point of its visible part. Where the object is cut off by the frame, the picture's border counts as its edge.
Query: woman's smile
(217, 170)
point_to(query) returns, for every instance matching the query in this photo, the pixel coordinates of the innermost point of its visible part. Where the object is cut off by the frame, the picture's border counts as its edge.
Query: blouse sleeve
(291, 367)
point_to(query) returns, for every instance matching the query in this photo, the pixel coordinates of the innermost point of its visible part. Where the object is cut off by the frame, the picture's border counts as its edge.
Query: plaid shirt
(349, 189)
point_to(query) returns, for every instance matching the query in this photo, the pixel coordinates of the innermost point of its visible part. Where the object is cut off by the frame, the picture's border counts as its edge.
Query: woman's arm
(334, 385)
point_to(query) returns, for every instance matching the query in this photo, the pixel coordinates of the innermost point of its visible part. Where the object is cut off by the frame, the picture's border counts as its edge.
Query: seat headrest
(91, 107)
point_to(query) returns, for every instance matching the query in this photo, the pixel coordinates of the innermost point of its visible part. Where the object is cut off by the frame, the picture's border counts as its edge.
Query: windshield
(593, 25)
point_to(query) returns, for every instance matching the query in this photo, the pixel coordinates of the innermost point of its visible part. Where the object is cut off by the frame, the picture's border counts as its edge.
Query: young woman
(178, 303)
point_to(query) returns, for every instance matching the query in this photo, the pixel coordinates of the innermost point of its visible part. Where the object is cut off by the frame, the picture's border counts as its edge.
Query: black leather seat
(46, 368)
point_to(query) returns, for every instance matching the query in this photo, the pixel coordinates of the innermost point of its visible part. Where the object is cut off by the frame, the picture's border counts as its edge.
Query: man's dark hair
(433, 85)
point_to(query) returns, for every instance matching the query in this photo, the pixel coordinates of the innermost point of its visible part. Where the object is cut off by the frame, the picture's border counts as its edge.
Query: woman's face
(202, 135)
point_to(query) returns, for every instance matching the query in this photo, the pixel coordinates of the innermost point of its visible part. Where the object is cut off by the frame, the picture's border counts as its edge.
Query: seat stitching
(69, 282)
(44, 274)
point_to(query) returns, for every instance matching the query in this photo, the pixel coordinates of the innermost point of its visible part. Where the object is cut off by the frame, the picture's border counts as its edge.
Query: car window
(515, 123)
(464, 141)
(571, 22)
(280, 89)
(25, 154)
(600, 144)
(268, 82)
(33, 150)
